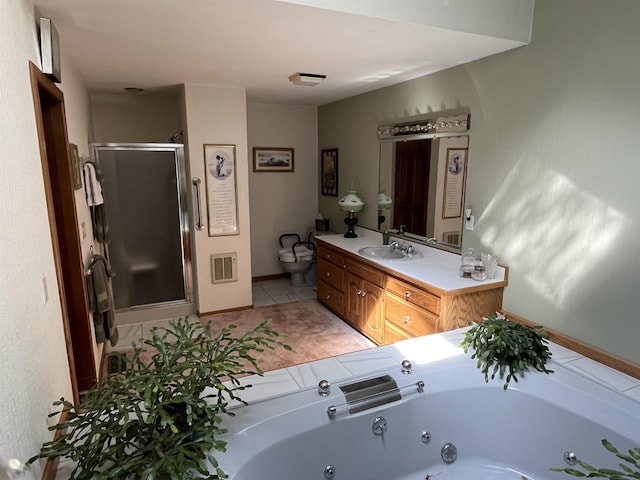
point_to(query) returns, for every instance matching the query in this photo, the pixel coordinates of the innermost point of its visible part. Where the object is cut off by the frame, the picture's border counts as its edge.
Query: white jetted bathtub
(458, 427)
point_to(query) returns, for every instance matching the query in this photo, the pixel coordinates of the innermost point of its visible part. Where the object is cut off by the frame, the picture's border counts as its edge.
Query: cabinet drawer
(393, 334)
(413, 320)
(330, 255)
(414, 295)
(331, 274)
(363, 271)
(331, 297)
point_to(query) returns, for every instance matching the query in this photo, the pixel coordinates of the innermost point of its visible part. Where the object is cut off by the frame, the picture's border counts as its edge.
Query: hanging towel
(93, 189)
(100, 300)
(100, 224)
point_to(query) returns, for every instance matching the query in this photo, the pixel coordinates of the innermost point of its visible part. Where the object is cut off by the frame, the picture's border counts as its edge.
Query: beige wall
(218, 115)
(33, 356)
(141, 118)
(281, 202)
(552, 164)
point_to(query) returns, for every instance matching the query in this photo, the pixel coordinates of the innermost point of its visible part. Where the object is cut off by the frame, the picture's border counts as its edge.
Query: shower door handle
(196, 183)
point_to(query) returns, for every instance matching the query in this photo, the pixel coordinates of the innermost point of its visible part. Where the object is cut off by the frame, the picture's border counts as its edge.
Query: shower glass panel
(144, 190)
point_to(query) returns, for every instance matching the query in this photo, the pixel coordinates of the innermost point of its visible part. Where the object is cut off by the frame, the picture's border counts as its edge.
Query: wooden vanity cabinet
(387, 308)
(364, 299)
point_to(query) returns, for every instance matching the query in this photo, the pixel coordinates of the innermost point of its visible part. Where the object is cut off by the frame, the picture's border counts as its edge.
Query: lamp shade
(351, 202)
(384, 202)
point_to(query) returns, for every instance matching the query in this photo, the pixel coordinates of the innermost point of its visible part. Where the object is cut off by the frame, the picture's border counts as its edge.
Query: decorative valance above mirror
(415, 129)
(422, 178)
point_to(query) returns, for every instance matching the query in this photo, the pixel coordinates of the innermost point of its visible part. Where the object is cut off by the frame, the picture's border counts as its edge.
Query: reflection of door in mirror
(411, 192)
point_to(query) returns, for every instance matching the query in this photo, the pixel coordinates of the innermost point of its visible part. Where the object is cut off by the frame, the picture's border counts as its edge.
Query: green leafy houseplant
(160, 420)
(629, 469)
(505, 347)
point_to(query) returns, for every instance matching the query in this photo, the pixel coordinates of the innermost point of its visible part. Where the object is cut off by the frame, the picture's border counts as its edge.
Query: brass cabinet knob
(407, 319)
(408, 294)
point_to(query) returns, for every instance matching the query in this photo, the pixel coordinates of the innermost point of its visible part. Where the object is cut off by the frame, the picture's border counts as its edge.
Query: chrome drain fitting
(449, 453)
(329, 472)
(570, 458)
(379, 425)
(425, 437)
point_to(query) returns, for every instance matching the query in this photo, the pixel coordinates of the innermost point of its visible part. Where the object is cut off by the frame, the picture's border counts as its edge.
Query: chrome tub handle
(196, 183)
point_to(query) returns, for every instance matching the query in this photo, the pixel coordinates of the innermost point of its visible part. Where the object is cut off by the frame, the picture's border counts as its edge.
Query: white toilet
(297, 257)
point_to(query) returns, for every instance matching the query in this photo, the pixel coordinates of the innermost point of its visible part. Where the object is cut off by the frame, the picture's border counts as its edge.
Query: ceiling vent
(306, 79)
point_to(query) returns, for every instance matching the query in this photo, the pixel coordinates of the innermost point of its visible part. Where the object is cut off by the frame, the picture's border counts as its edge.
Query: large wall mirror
(422, 179)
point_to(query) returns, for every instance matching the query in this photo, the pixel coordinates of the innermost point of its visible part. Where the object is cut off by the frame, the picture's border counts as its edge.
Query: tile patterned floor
(271, 292)
(267, 292)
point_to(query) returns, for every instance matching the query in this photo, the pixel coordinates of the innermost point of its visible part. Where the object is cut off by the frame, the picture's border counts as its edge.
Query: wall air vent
(451, 237)
(224, 267)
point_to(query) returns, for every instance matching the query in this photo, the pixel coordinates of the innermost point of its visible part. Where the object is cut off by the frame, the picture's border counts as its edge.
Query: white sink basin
(384, 252)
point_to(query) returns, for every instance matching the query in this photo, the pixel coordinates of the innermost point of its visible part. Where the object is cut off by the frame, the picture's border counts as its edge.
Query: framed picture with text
(454, 180)
(222, 195)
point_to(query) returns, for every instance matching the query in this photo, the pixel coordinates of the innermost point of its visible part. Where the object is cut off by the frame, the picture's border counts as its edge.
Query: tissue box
(322, 224)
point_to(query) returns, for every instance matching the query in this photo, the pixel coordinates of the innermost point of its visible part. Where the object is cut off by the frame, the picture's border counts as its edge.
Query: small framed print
(76, 166)
(222, 196)
(329, 172)
(266, 159)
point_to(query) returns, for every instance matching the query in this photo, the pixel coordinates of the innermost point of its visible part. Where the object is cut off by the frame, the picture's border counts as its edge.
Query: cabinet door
(373, 312)
(353, 290)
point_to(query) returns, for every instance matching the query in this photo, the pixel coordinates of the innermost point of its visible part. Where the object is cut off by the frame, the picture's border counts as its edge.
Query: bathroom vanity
(394, 299)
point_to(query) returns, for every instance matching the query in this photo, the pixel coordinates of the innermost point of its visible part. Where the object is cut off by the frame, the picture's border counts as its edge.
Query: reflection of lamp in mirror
(351, 204)
(384, 203)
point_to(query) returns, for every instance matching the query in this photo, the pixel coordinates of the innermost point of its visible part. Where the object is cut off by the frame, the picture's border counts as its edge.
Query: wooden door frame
(63, 223)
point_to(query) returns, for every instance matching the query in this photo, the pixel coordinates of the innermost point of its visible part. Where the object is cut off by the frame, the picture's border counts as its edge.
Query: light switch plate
(468, 222)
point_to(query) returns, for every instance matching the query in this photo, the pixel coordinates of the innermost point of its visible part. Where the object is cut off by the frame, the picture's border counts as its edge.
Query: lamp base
(351, 221)
(381, 219)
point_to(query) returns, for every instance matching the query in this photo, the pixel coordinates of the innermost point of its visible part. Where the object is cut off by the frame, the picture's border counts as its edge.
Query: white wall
(33, 356)
(218, 115)
(552, 171)
(281, 202)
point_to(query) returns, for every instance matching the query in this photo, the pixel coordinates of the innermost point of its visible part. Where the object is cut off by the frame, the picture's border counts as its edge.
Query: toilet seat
(297, 253)
(297, 259)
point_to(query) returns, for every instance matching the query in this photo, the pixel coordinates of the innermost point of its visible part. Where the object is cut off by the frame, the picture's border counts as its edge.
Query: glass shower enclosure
(145, 196)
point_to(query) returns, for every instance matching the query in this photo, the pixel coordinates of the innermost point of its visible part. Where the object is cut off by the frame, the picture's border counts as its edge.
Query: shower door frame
(183, 209)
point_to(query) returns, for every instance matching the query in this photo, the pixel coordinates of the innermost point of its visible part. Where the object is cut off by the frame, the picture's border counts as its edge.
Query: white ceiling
(257, 44)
